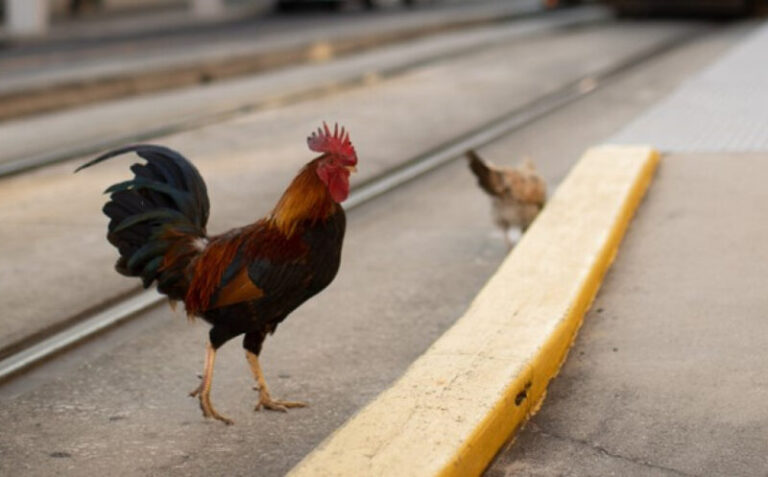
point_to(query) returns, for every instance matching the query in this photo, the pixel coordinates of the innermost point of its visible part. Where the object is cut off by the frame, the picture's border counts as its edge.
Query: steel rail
(361, 194)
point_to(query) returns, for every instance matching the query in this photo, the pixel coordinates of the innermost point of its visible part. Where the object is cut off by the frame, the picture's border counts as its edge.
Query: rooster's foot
(207, 408)
(267, 402)
(203, 391)
(211, 413)
(196, 391)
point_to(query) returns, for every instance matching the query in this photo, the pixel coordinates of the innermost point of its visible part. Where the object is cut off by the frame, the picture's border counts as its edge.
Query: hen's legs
(204, 390)
(265, 400)
(512, 236)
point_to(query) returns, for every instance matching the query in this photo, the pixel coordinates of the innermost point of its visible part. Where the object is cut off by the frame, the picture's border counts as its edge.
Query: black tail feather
(156, 217)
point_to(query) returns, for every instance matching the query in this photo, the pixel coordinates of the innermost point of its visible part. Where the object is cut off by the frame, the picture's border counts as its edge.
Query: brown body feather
(305, 202)
(208, 268)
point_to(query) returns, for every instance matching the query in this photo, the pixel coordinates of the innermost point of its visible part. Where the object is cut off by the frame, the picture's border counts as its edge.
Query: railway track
(220, 53)
(91, 325)
(250, 100)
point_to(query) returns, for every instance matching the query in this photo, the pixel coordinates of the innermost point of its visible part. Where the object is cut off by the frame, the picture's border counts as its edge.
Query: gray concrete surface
(123, 119)
(411, 265)
(53, 232)
(724, 109)
(667, 375)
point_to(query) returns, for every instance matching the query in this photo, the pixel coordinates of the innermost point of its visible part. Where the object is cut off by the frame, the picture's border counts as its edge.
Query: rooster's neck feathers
(305, 199)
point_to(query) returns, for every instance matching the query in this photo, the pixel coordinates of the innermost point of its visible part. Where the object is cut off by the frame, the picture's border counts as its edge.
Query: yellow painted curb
(464, 397)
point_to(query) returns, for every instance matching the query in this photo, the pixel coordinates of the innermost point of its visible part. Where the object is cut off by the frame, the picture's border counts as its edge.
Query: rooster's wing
(266, 265)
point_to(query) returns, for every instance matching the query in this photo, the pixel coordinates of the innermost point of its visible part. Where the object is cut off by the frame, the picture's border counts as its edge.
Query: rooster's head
(338, 160)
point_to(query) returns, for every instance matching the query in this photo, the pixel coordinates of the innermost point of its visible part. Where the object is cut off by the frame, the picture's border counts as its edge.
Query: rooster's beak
(351, 169)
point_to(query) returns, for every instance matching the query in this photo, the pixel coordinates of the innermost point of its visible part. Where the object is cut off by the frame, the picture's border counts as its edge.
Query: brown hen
(517, 194)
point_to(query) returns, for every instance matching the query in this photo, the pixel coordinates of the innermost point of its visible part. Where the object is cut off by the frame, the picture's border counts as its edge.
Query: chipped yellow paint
(472, 389)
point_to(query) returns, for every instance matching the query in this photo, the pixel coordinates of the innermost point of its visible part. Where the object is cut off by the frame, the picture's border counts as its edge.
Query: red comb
(337, 143)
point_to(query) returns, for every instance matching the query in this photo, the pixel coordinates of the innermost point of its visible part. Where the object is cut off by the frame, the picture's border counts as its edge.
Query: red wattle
(339, 186)
(336, 179)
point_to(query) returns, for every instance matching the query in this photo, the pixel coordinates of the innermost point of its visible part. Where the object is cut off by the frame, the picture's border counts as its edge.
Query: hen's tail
(158, 218)
(487, 178)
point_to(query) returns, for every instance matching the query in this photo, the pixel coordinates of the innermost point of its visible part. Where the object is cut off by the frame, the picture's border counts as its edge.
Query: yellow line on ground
(473, 388)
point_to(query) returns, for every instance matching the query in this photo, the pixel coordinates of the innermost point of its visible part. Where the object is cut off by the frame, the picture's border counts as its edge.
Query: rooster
(518, 193)
(244, 281)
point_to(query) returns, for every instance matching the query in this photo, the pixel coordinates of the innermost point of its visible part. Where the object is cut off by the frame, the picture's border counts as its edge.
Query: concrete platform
(667, 376)
(724, 109)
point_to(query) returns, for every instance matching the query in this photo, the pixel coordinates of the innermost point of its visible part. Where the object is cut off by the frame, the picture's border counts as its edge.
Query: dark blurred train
(623, 7)
(335, 4)
(686, 7)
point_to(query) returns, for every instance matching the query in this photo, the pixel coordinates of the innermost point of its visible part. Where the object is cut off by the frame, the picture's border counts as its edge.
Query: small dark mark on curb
(520, 397)
(116, 418)
(59, 455)
(599, 310)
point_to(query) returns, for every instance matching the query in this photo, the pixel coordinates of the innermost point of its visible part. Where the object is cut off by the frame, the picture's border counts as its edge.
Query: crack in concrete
(604, 451)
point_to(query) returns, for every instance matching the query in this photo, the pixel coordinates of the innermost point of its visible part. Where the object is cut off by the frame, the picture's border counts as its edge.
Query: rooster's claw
(282, 406)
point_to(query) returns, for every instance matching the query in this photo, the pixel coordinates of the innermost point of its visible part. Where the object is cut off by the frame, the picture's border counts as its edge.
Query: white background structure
(32, 17)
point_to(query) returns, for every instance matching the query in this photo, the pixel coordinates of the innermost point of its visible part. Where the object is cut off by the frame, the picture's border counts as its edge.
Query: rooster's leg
(265, 400)
(203, 392)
